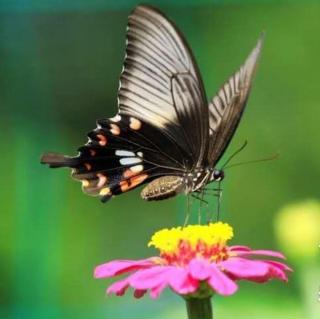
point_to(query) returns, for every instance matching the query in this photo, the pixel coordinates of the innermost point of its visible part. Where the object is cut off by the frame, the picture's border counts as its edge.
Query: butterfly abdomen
(162, 188)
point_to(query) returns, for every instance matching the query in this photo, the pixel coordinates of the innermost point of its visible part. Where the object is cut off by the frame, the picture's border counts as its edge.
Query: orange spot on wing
(128, 173)
(115, 129)
(132, 182)
(93, 152)
(87, 166)
(103, 139)
(124, 185)
(138, 179)
(85, 183)
(102, 180)
(105, 191)
(135, 124)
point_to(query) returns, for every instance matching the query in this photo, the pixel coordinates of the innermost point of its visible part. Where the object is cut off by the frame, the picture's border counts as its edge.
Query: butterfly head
(217, 175)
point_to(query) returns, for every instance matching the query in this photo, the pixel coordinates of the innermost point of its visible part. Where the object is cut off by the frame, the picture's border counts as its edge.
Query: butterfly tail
(55, 160)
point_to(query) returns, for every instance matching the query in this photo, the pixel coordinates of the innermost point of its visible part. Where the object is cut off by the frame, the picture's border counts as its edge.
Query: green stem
(199, 308)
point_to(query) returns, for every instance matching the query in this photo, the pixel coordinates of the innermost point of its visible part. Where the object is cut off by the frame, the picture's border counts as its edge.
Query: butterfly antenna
(266, 159)
(234, 154)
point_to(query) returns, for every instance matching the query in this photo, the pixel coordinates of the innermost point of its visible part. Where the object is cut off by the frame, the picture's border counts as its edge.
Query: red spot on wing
(128, 173)
(93, 152)
(132, 182)
(103, 140)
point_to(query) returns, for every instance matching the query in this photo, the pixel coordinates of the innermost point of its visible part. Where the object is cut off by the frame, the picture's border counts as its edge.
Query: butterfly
(165, 134)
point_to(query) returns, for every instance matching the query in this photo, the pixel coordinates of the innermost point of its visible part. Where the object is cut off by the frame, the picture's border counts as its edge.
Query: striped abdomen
(162, 188)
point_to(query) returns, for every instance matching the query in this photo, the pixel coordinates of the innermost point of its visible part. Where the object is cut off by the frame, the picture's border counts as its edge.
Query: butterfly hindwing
(118, 158)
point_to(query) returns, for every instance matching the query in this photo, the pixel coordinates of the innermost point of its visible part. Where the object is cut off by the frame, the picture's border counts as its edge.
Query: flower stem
(199, 308)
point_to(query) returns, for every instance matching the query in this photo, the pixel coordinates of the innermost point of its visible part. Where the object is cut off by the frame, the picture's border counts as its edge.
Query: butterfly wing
(227, 106)
(161, 98)
(160, 83)
(119, 157)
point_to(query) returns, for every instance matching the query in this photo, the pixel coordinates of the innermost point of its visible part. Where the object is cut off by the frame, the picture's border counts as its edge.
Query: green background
(59, 70)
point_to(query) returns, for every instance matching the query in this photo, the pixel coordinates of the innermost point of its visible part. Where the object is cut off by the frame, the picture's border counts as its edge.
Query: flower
(301, 240)
(194, 261)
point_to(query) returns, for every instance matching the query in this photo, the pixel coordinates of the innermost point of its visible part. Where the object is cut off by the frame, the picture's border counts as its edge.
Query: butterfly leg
(219, 195)
(199, 196)
(217, 192)
(188, 211)
(200, 207)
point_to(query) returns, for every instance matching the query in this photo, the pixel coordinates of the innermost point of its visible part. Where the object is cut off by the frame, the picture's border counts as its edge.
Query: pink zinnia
(194, 261)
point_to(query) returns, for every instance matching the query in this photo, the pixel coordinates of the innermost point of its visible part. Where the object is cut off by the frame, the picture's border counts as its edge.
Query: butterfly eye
(218, 175)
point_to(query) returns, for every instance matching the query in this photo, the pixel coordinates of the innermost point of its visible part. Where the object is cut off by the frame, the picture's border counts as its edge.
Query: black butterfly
(165, 134)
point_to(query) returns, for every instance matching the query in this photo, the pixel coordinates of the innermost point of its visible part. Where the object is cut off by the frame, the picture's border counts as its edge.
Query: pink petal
(181, 282)
(156, 291)
(222, 284)
(118, 267)
(119, 287)
(269, 253)
(158, 277)
(242, 268)
(199, 269)
(239, 248)
(150, 278)
(279, 265)
(277, 270)
(277, 273)
(139, 293)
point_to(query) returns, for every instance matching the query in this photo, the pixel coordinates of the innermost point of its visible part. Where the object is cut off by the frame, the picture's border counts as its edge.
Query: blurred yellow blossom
(297, 227)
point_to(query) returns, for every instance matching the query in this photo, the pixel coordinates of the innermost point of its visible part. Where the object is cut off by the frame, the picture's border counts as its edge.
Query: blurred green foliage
(59, 71)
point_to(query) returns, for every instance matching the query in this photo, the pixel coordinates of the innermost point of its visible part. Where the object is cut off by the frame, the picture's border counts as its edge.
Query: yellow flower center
(179, 245)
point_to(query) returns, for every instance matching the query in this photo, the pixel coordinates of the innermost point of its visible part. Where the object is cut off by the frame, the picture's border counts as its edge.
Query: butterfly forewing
(160, 82)
(227, 106)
